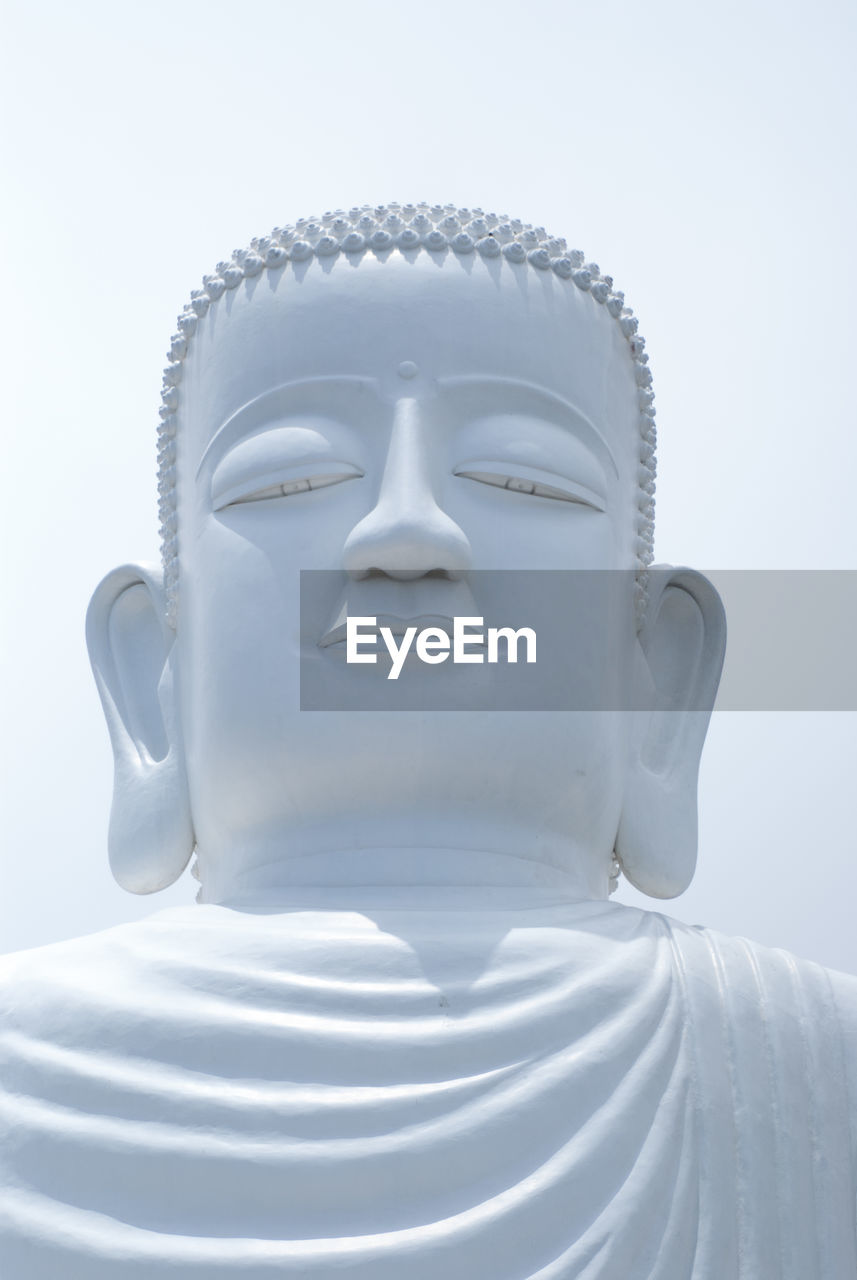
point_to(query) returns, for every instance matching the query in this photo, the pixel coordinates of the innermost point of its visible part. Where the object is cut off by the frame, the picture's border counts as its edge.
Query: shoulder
(775, 976)
(736, 955)
(45, 985)
(792, 1009)
(785, 1025)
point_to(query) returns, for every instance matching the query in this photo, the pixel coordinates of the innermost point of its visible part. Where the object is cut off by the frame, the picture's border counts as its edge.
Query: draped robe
(565, 1091)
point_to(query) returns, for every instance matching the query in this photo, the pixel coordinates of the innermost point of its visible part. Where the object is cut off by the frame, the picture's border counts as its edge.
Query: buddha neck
(405, 875)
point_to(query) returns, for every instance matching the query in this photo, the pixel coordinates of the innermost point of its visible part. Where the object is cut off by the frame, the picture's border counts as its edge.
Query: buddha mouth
(423, 602)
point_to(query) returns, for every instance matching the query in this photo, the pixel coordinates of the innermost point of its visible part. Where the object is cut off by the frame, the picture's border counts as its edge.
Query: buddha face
(399, 423)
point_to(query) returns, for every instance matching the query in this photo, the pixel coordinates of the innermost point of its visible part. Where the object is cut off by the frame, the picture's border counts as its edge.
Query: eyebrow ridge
(458, 380)
(258, 402)
(473, 379)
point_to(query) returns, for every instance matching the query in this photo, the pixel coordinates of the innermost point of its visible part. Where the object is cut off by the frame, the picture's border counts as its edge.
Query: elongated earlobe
(680, 657)
(131, 651)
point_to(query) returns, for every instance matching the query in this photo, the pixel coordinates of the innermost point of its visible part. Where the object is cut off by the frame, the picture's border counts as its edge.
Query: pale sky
(703, 155)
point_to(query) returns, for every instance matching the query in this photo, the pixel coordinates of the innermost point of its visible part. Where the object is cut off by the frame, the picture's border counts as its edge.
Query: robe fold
(571, 1091)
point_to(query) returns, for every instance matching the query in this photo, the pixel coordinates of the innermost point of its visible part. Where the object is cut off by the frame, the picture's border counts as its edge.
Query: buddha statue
(404, 1032)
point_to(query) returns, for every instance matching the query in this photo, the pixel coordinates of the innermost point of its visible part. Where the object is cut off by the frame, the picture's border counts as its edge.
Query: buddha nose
(406, 534)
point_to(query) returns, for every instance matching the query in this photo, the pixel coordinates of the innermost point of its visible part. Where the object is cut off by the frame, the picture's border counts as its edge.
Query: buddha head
(402, 396)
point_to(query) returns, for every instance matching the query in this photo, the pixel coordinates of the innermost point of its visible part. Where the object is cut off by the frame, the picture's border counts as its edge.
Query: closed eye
(296, 480)
(532, 481)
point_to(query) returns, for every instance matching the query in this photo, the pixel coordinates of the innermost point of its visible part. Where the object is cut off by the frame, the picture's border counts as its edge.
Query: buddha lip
(398, 626)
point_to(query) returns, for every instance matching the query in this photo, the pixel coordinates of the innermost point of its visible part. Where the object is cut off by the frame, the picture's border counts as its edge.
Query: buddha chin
(404, 1032)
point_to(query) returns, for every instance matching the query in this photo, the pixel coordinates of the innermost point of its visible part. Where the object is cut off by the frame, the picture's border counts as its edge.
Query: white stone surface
(404, 1033)
(536, 1089)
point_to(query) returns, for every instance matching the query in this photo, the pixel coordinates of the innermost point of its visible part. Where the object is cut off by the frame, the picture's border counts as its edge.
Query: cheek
(240, 575)
(238, 644)
(592, 799)
(235, 586)
(514, 531)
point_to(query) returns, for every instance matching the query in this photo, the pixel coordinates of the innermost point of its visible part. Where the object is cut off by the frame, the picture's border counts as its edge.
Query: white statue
(404, 1033)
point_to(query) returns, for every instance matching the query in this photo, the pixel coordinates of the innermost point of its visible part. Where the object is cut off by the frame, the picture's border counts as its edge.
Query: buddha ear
(679, 660)
(132, 652)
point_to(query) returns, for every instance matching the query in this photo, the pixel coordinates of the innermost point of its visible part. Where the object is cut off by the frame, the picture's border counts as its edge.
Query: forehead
(451, 317)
